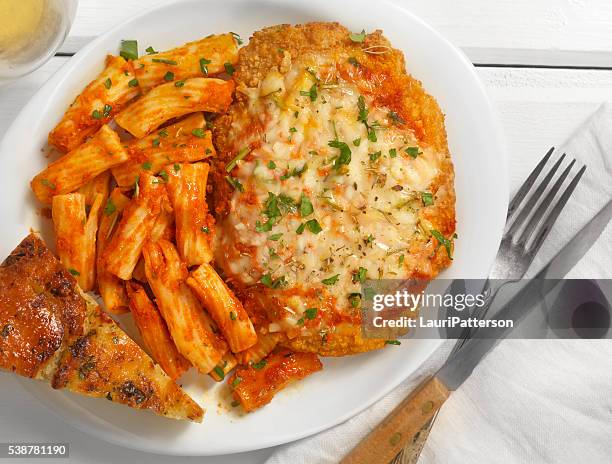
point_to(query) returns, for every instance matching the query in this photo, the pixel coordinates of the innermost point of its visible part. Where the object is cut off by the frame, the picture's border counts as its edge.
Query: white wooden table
(547, 64)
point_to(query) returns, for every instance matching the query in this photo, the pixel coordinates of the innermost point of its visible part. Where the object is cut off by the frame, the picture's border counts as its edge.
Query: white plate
(348, 385)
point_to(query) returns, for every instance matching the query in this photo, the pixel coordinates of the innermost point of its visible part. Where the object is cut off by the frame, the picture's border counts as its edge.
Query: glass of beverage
(31, 31)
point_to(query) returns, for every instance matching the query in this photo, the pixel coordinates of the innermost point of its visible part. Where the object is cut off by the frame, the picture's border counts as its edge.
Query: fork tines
(541, 209)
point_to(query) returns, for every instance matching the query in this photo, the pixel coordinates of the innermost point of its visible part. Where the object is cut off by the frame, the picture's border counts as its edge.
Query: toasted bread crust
(50, 330)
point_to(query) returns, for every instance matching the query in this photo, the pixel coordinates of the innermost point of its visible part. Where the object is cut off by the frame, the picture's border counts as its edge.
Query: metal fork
(520, 243)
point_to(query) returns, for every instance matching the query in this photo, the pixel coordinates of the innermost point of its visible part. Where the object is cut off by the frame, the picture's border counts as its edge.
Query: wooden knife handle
(402, 426)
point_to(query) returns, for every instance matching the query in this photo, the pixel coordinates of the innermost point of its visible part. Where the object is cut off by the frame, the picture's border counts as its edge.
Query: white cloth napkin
(528, 400)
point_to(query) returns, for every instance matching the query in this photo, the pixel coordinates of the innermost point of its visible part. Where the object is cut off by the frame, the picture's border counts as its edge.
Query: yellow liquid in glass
(20, 22)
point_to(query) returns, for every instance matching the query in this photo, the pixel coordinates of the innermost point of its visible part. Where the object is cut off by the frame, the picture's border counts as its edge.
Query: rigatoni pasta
(264, 346)
(75, 233)
(194, 225)
(155, 333)
(122, 253)
(98, 185)
(110, 287)
(205, 57)
(221, 370)
(73, 170)
(255, 385)
(223, 306)
(98, 102)
(169, 101)
(188, 324)
(154, 154)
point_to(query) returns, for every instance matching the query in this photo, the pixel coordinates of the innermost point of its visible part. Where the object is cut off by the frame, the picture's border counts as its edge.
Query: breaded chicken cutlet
(333, 169)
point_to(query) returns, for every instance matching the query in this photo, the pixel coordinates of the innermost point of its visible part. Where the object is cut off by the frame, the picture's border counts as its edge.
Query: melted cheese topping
(309, 138)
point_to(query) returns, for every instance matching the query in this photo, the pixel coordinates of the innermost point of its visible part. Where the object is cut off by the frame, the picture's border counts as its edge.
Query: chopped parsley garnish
(263, 227)
(110, 207)
(271, 165)
(96, 114)
(392, 342)
(352, 60)
(375, 156)
(360, 275)
(427, 198)
(108, 83)
(199, 132)
(292, 129)
(354, 299)
(311, 93)
(295, 172)
(442, 240)
(205, 229)
(259, 365)
(345, 153)
(357, 141)
(229, 68)
(400, 260)
(150, 50)
(363, 111)
(275, 207)
(369, 239)
(275, 237)
(107, 111)
(169, 76)
(269, 282)
(413, 152)
(233, 315)
(74, 272)
(232, 164)
(129, 49)
(311, 313)
(331, 280)
(156, 142)
(164, 176)
(271, 211)
(204, 65)
(147, 165)
(236, 381)
(47, 183)
(179, 83)
(301, 228)
(219, 371)
(164, 61)
(392, 153)
(358, 38)
(237, 38)
(306, 207)
(133, 83)
(235, 183)
(177, 167)
(313, 226)
(163, 133)
(363, 117)
(396, 118)
(300, 321)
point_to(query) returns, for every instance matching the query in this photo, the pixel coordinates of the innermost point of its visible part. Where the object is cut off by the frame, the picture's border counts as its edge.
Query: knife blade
(462, 363)
(410, 418)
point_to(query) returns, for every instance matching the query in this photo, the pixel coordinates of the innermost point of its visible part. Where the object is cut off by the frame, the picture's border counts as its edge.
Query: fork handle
(403, 425)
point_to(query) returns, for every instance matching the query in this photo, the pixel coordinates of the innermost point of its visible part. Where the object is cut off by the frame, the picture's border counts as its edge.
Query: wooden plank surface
(527, 32)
